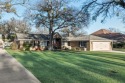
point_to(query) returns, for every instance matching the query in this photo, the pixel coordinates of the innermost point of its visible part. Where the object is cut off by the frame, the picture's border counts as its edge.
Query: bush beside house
(14, 46)
(26, 46)
(119, 45)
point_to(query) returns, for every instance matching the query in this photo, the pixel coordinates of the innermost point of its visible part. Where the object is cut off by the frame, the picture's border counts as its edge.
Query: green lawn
(74, 67)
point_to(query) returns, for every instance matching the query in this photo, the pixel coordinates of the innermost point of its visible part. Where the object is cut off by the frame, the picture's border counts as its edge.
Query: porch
(75, 45)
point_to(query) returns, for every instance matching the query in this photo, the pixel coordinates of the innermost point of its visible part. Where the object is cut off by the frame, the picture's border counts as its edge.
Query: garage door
(98, 46)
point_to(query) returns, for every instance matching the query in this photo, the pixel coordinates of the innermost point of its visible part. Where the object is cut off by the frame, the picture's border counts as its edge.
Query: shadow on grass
(101, 59)
(68, 67)
(103, 67)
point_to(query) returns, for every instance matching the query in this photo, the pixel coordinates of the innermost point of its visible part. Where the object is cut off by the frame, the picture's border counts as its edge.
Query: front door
(57, 43)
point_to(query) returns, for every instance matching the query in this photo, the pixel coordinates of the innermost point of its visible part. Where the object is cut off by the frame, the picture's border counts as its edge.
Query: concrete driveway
(11, 71)
(115, 51)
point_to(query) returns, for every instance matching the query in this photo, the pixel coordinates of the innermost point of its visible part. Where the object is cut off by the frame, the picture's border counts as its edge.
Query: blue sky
(94, 26)
(113, 22)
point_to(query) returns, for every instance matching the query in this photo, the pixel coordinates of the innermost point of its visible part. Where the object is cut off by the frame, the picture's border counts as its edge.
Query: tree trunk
(51, 39)
(50, 30)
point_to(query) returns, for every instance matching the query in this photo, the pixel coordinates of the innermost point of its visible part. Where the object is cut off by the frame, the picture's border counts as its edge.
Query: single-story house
(86, 42)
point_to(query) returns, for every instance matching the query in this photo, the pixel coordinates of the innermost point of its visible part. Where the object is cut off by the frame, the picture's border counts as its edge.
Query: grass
(74, 67)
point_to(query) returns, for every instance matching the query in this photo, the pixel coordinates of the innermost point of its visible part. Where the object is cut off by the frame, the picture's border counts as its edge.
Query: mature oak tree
(74, 31)
(106, 8)
(57, 14)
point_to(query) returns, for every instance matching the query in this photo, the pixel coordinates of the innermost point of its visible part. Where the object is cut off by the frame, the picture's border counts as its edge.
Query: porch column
(21, 44)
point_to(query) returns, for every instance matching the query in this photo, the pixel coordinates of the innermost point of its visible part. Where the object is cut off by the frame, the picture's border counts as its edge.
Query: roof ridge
(101, 31)
(100, 37)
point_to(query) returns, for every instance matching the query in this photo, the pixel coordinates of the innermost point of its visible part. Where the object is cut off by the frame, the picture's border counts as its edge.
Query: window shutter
(68, 43)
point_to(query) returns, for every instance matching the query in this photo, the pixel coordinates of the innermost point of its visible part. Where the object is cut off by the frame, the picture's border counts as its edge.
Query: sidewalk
(11, 71)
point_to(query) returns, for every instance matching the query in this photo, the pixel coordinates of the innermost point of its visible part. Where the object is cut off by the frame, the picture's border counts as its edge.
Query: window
(82, 43)
(43, 43)
(68, 43)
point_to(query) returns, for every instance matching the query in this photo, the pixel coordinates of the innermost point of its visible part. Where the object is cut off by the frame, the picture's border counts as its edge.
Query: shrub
(14, 46)
(27, 46)
(65, 48)
(73, 49)
(119, 45)
(77, 48)
(46, 48)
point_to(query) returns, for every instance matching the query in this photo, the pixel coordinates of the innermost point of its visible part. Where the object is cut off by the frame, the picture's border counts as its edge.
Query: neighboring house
(117, 37)
(88, 42)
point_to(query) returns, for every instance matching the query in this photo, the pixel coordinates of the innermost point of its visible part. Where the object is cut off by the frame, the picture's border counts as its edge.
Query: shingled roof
(21, 36)
(110, 35)
(102, 31)
(45, 37)
(85, 38)
(39, 36)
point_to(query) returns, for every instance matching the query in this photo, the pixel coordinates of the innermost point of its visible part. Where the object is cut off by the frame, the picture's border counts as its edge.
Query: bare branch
(101, 7)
